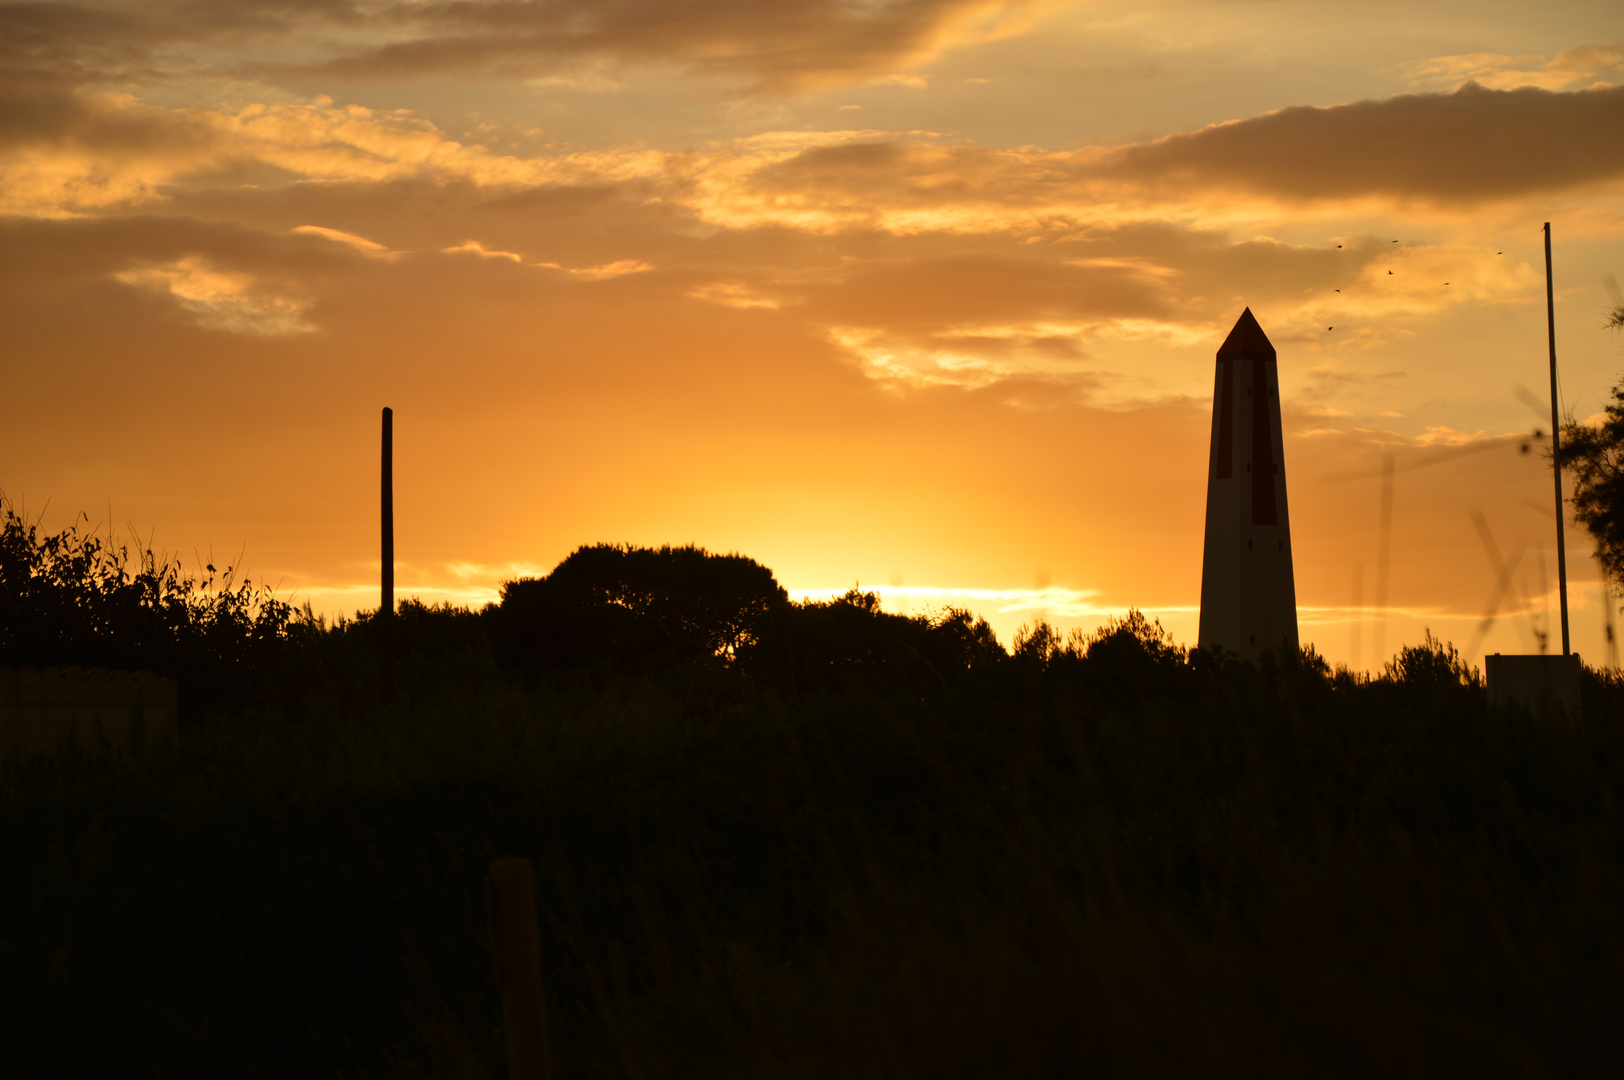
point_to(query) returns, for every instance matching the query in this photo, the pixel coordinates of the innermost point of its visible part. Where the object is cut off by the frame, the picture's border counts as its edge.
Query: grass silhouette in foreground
(821, 841)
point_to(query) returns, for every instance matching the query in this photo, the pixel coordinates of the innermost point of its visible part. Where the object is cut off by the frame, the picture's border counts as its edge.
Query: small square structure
(44, 710)
(1541, 684)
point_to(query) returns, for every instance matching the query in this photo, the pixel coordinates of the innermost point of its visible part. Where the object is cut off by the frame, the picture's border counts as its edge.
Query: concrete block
(1542, 684)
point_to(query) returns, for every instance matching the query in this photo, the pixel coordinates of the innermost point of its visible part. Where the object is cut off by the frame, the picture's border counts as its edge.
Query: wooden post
(510, 902)
(386, 606)
(1556, 444)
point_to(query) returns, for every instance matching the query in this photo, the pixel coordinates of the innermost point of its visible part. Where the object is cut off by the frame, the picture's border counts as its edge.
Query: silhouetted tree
(1128, 658)
(1038, 645)
(959, 640)
(848, 640)
(1594, 460)
(1135, 639)
(1134, 655)
(629, 608)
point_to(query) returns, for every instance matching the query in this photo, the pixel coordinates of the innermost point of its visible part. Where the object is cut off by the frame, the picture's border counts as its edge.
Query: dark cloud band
(1472, 144)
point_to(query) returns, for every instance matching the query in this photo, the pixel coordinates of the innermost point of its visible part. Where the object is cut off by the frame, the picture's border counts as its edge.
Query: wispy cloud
(735, 294)
(618, 268)
(784, 47)
(973, 357)
(111, 150)
(474, 247)
(359, 243)
(222, 300)
(1574, 69)
(1471, 146)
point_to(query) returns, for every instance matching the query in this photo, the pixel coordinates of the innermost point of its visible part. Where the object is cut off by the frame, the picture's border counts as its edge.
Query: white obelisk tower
(1248, 592)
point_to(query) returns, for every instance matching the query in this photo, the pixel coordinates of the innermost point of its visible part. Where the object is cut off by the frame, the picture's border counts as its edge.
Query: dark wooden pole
(510, 897)
(1556, 444)
(386, 606)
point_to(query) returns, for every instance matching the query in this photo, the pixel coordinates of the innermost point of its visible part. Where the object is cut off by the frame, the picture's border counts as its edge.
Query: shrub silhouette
(1039, 645)
(72, 599)
(959, 640)
(1136, 656)
(1130, 657)
(1433, 664)
(1134, 639)
(833, 644)
(1132, 642)
(427, 632)
(627, 608)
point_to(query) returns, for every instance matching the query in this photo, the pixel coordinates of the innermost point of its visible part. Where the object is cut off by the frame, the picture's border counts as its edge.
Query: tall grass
(1097, 856)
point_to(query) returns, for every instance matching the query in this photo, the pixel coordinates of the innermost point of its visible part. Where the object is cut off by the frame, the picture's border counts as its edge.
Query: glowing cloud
(474, 247)
(222, 300)
(789, 46)
(359, 243)
(735, 294)
(1574, 69)
(618, 268)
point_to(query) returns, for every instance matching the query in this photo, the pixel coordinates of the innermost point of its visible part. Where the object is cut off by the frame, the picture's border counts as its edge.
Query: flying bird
(1339, 245)
(1395, 241)
(1389, 273)
(1330, 328)
(1336, 290)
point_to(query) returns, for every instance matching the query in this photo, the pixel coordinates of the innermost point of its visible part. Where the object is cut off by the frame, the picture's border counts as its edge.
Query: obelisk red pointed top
(1247, 339)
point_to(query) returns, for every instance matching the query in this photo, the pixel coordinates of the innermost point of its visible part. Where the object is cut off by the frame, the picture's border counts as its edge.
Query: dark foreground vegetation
(792, 840)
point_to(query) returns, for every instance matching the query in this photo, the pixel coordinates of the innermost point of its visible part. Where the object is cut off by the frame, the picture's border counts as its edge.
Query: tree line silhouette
(607, 611)
(779, 838)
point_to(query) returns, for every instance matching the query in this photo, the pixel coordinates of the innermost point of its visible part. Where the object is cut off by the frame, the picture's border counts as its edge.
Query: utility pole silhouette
(386, 606)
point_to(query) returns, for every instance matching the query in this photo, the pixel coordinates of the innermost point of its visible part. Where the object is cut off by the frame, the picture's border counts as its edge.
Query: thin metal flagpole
(1556, 444)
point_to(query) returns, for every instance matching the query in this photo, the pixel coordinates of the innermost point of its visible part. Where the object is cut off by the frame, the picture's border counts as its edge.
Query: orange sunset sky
(920, 294)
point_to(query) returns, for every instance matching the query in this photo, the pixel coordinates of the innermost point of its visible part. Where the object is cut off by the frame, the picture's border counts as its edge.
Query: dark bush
(73, 599)
(628, 609)
(1135, 656)
(1432, 663)
(821, 645)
